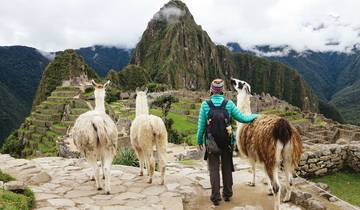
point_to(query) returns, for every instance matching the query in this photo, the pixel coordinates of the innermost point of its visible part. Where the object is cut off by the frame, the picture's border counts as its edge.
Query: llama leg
(162, 163)
(253, 169)
(276, 188)
(272, 172)
(161, 143)
(151, 167)
(96, 171)
(140, 155)
(288, 182)
(107, 168)
(148, 165)
(270, 190)
(102, 167)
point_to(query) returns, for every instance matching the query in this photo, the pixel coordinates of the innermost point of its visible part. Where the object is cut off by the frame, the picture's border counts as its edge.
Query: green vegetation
(157, 87)
(47, 147)
(15, 200)
(12, 146)
(131, 77)
(330, 111)
(126, 157)
(345, 185)
(6, 177)
(347, 101)
(112, 95)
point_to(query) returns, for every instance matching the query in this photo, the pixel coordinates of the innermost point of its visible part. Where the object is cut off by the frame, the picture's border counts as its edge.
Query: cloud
(300, 24)
(169, 14)
(276, 53)
(48, 55)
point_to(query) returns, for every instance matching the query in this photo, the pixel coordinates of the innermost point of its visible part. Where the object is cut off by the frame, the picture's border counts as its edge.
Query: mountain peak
(176, 51)
(67, 64)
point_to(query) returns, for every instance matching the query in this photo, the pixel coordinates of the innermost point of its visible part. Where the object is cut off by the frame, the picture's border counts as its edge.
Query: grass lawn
(345, 185)
(181, 123)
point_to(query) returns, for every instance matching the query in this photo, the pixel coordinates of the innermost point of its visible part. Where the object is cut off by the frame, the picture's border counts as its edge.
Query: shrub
(190, 139)
(126, 157)
(112, 95)
(12, 146)
(89, 90)
(157, 87)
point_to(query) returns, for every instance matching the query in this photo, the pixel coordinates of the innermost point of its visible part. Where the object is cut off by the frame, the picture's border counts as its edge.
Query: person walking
(214, 121)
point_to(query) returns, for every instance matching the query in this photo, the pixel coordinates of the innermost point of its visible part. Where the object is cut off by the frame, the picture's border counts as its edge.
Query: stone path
(60, 183)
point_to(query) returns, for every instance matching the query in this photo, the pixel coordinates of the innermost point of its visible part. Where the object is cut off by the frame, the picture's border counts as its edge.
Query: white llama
(145, 132)
(95, 135)
(269, 140)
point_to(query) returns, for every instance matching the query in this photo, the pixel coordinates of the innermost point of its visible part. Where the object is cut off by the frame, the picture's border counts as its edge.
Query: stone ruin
(76, 81)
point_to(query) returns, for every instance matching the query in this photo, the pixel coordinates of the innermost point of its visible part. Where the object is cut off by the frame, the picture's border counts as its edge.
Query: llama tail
(100, 130)
(282, 131)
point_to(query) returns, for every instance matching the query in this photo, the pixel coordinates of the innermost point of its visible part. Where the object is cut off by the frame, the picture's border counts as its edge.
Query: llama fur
(147, 131)
(95, 136)
(269, 139)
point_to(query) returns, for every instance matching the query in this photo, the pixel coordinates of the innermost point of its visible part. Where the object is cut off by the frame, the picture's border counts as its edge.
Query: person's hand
(200, 147)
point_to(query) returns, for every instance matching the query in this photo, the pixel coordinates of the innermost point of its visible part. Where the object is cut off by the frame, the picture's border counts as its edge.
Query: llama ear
(93, 83)
(137, 89)
(146, 90)
(107, 84)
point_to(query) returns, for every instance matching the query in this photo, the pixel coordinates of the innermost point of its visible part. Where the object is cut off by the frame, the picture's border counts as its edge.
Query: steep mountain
(176, 51)
(334, 76)
(12, 112)
(20, 73)
(66, 65)
(103, 58)
(21, 68)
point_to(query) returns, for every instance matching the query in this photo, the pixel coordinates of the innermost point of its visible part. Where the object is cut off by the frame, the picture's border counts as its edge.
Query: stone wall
(323, 159)
(354, 157)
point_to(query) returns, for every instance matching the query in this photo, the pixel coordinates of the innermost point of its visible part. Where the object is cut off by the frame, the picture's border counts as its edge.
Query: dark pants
(226, 169)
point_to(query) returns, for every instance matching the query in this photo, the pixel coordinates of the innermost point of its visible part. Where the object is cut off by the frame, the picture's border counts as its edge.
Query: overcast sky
(52, 25)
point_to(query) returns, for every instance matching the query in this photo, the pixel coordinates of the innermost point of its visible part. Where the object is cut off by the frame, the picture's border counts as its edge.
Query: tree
(165, 102)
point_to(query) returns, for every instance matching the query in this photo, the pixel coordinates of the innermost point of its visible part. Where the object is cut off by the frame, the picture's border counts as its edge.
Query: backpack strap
(223, 104)
(210, 103)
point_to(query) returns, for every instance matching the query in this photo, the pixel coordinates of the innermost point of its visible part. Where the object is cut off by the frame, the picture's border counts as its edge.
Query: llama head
(141, 93)
(99, 91)
(141, 102)
(241, 86)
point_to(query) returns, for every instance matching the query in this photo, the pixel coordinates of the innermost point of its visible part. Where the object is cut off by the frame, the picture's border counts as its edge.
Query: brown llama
(269, 140)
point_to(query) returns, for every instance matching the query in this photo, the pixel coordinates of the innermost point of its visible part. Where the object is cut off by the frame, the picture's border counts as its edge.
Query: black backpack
(217, 121)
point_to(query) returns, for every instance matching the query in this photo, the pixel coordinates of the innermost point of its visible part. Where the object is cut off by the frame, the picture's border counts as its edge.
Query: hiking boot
(226, 199)
(216, 203)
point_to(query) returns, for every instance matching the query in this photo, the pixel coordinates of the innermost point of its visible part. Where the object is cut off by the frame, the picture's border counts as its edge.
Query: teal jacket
(230, 107)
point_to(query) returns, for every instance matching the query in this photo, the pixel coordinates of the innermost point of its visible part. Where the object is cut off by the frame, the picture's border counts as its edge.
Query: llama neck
(142, 107)
(99, 104)
(243, 103)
